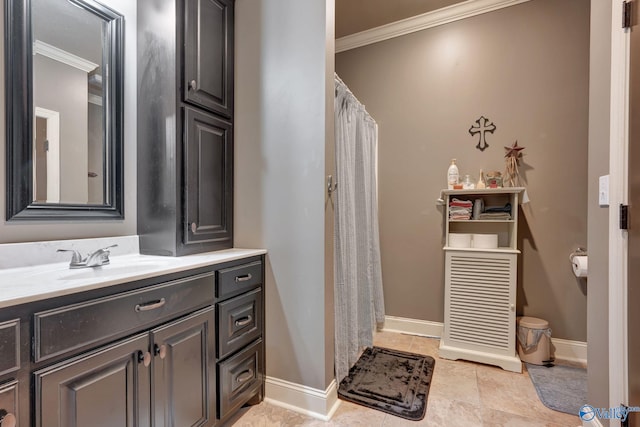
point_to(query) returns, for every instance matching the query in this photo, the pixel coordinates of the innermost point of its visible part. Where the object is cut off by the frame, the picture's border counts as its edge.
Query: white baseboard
(413, 326)
(320, 404)
(572, 351)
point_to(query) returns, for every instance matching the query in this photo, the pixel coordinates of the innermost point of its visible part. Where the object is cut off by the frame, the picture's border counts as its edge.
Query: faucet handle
(109, 247)
(75, 258)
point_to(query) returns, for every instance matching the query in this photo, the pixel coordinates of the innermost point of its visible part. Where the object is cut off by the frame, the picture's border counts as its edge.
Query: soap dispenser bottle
(481, 182)
(452, 175)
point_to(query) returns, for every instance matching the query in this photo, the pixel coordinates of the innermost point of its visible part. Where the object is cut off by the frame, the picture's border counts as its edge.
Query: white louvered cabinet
(480, 285)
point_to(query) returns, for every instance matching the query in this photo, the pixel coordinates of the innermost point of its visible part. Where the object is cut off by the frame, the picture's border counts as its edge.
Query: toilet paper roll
(580, 265)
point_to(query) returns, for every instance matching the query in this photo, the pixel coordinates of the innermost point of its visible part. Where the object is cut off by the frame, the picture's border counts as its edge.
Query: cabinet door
(208, 56)
(9, 404)
(208, 192)
(183, 392)
(106, 388)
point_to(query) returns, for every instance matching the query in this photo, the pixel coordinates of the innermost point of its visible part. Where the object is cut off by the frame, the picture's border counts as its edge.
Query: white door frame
(618, 251)
(53, 153)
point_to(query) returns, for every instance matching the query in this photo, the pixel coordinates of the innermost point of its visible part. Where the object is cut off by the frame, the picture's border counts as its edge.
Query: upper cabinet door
(208, 55)
(208, 181)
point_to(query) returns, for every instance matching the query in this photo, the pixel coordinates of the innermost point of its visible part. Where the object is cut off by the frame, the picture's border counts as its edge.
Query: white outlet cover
(603, 191)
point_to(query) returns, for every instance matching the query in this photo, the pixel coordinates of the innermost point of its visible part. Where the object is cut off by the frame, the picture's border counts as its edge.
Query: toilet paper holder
(577, 252)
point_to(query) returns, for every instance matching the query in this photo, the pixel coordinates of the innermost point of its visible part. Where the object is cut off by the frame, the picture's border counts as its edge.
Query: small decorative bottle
(481, 184)
(452, 175)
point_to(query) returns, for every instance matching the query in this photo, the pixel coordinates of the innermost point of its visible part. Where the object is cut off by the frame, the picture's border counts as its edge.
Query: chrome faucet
(94, 259)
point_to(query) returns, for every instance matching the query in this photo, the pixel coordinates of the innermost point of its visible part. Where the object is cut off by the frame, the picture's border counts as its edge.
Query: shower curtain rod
(338, 80)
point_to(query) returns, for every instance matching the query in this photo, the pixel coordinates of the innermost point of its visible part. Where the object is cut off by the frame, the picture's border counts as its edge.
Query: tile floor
(462, 394)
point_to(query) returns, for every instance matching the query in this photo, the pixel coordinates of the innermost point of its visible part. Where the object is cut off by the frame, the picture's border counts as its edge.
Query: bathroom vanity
(144, 341)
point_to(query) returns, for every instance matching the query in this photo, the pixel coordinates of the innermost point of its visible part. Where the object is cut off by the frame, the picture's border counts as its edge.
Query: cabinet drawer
(236, 280)
(9, 346)
(239, 377)
(239, 322)
(63, 329)
(9, 404)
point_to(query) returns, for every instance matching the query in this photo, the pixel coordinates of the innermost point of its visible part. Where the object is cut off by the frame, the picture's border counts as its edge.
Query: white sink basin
(112, 270)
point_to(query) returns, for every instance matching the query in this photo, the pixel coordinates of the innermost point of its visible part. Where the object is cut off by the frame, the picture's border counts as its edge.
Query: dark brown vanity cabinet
(208, 170)
(185, 126)
(109, 387)
(208, 56)
(9, 404)
(161, 378)
(9, 367)
(240, 343)
(185, 349)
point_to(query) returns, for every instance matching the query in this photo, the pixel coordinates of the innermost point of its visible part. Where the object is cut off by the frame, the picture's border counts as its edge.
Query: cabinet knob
(193, 85)
(8, 420)
(160, 350)
(194, 227)
(512, 307)
(144, 357)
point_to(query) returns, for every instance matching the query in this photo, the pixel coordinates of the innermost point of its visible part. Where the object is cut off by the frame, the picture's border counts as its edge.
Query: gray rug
(561, 388)
(391, 381)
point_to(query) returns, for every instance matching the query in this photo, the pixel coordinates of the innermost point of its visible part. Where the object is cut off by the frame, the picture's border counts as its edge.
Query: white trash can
(534, 340)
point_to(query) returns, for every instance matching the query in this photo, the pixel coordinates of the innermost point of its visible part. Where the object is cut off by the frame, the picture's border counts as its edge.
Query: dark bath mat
(391, 381)
(561, 388)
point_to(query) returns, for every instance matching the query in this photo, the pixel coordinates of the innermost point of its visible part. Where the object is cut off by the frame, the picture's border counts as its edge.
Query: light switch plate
(603, 191)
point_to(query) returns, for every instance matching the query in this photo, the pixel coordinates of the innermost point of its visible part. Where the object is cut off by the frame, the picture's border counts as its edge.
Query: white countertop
(23, 284)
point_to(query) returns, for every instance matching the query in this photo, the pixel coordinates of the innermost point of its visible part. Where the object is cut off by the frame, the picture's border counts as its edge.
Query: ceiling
(353, 16)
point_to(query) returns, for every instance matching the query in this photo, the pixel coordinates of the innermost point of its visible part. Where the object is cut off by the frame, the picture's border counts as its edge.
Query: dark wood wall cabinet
(185, 127)
(185, 349)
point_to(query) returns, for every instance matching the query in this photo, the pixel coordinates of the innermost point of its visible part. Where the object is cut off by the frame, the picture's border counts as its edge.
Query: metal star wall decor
(482, 126)
(512, 159)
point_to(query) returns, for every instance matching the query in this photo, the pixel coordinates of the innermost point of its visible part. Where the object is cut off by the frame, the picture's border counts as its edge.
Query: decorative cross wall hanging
(482, 126)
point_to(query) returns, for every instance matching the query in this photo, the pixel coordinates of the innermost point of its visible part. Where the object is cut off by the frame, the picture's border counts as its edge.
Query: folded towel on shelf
(461, 203)
(495, 216)
(460, 210)
(506, 208)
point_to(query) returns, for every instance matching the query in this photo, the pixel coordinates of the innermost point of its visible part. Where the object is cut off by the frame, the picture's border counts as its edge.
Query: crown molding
(57, 54)
(421, 22)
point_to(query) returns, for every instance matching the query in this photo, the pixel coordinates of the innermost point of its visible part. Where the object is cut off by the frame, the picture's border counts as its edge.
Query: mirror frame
(19, 120)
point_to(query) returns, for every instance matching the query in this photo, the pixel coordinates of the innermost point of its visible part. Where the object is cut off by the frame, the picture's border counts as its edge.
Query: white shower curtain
(359, 302)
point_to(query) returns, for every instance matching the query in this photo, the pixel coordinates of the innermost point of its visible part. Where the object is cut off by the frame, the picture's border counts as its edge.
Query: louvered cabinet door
(480, 297)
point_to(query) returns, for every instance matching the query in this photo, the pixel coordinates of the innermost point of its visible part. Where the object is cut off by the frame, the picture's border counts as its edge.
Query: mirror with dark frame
(64, 71)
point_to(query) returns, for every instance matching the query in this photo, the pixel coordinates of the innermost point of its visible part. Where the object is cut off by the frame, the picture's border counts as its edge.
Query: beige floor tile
(426, 346)
(454, 380)
(267, 415)
(393, 340)
(493, 418)
(350, 414)
(514, 393)
(442, 413)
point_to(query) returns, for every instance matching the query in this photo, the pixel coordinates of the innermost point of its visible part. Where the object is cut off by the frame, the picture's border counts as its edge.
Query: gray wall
(598, 233)
(23, 232)
(526, 68)
(281, 134)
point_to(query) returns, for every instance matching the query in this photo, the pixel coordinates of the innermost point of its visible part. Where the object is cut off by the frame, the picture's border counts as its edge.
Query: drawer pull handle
(148, 306)
(7, 419)
(244, 320)
(244, 376)
(244, 278)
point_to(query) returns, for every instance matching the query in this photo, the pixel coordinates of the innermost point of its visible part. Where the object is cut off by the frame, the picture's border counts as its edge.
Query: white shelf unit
(480, 285)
